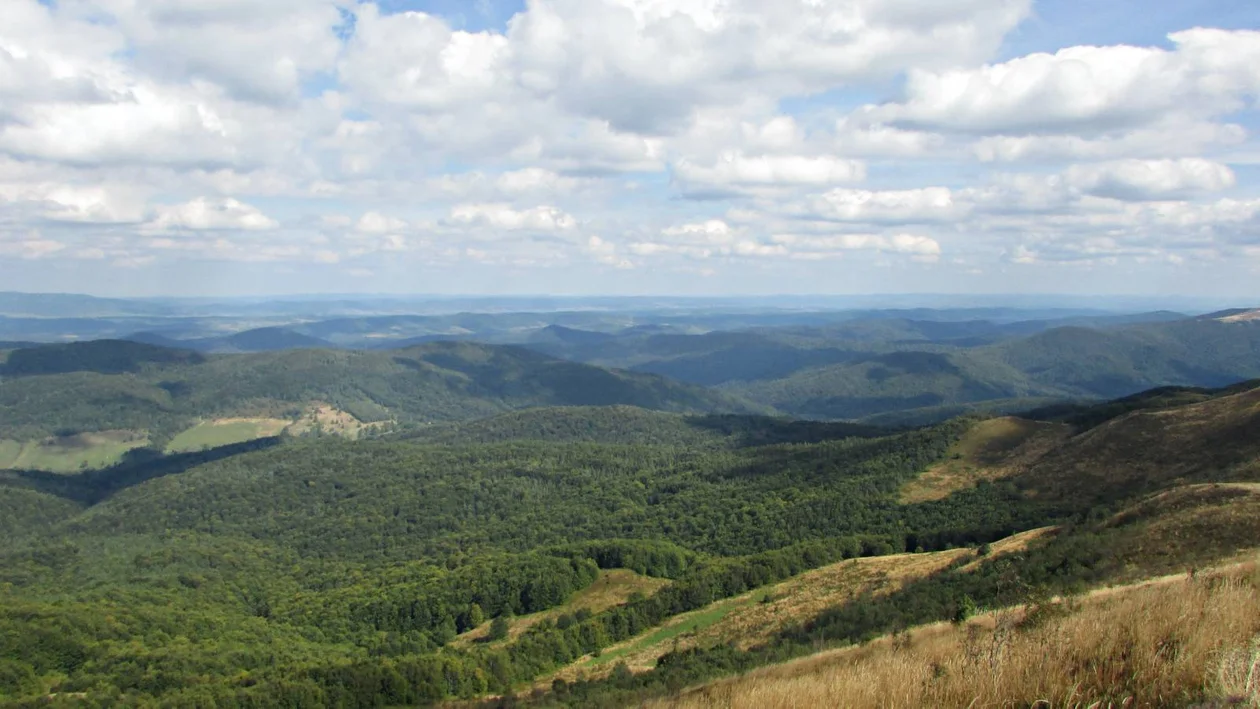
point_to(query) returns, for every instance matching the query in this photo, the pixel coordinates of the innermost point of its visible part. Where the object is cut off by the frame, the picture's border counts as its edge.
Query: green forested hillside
(632, 425)
(1061, 363)
(890, 371)
(109, 385)
(313, 572)
(100, 356)
(1158, 492)
(303, 566)
(894, 382)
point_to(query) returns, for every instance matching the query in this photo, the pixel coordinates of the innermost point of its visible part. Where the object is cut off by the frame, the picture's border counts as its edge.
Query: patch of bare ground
(322, 418)
(1245, 316)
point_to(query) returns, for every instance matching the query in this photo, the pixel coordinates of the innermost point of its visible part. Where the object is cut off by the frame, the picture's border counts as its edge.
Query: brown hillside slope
(989, 450)
(1146, 451)
(1180, 642)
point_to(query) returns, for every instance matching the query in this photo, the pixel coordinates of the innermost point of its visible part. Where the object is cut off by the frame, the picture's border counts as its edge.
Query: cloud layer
(615, 144)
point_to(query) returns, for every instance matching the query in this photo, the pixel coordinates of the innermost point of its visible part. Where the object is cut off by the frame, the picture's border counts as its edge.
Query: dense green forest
(294, 573)
(322, 571)
(1062, 363)
(884, 371)
(109, 385)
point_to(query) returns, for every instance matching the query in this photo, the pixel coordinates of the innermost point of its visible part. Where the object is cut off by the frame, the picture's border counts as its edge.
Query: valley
(629, 354)
(560, 522)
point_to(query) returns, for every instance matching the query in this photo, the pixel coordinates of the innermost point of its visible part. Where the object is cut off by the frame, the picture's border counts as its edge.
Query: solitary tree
(964, 610)
(499, 628)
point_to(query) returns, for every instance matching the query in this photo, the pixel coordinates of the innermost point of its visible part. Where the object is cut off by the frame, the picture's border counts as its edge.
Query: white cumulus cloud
(210, 214)
(502, 216)
(1151, 179)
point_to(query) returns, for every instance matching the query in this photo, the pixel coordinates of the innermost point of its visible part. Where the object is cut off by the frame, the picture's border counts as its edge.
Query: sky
(683, 147)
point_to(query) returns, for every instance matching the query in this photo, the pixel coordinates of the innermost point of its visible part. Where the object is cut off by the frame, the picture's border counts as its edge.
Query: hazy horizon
(472, 302)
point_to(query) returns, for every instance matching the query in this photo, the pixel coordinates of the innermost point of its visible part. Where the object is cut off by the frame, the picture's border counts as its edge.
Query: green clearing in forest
(224, 432)
(613, 587)
(686, 623)
(70, 454)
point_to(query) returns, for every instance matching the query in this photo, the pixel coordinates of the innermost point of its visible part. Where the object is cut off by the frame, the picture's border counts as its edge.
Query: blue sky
(631, 146)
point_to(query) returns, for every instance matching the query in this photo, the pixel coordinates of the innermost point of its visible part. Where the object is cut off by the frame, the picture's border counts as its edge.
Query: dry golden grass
(991, 449)
(745, 620)
(1189, 525)
(1174, 643)
(612, 588)
(812, 592)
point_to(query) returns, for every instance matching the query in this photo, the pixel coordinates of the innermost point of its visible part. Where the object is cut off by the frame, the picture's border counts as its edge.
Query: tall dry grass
(1185, 642)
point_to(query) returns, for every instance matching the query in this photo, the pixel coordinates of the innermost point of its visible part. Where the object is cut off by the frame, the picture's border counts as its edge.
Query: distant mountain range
(263, 339)
(879, 368)
(114, 384)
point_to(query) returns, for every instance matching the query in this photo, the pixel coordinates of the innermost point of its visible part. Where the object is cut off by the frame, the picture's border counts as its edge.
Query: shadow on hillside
(140, 465)
(752, 431)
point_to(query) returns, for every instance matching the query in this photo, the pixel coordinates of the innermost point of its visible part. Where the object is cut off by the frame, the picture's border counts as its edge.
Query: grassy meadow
(1177, 641)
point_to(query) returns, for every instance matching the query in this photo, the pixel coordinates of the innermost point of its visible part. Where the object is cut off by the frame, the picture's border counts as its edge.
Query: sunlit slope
(1180, 641)
(1168, 487)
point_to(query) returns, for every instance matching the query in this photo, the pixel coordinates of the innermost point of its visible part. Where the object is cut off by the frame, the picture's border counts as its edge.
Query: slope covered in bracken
(1217, 440)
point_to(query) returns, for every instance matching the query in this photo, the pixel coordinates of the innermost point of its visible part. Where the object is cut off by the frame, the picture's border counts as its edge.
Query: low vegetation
(613, 587)
(1180, 642)
(224, 432)
(990, 450)
(72, 453)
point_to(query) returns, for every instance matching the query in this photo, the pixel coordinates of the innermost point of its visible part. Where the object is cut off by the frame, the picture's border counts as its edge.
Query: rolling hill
(327, 571)
(263, 339)
(1063, 363)
(120, 385)
(1167, 488)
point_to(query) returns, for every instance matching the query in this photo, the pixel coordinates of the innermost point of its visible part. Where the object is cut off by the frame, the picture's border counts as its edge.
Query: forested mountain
(631, 425)
(1061, 363)
(888, 371)
(263, 339)
(111, 385)
(179, 529)
(331, 572)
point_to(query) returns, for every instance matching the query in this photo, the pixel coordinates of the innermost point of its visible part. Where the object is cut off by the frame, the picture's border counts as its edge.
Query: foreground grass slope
(1184, 527)
(1180, 641)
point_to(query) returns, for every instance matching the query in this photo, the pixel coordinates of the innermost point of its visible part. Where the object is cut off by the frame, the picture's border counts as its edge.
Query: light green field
(687, 623)
(613, 587)
(224, 432)
(70, 454)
